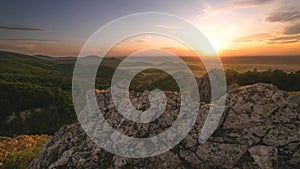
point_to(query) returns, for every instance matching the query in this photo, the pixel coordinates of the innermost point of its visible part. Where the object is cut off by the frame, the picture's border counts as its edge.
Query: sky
(233, 27)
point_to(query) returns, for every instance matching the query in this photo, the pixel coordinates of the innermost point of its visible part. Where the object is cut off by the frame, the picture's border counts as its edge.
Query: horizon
(108, 56)
(235, 28)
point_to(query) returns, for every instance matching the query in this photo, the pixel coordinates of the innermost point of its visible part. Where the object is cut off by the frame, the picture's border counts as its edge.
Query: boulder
(260, 128)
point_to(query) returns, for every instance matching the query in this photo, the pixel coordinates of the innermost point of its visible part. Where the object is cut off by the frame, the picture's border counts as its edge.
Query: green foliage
(35, 92)
(151, 79)
(35, 95)
(37, 109)
(284, 81)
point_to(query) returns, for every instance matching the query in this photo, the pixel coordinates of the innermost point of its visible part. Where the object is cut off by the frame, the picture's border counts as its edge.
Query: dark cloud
(293, 29)
(251, 2)
(31, 40)
(289, 15)
(284, 15)
(21, 28)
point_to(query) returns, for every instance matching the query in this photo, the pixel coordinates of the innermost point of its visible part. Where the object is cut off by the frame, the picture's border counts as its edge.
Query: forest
(35, 91)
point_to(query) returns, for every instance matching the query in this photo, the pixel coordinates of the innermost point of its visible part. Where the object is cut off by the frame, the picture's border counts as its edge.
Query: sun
(219, 45)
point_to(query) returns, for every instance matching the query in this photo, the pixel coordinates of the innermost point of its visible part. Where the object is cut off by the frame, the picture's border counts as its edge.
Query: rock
(247, 162)
(221, 155)
(204, 85)
(259, 129)
(283, 134)
(266, 157)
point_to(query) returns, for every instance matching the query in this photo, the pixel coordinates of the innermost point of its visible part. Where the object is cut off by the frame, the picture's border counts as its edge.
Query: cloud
(166, 26)
(292, 29)
(284, 15)
(259, 36)
(283, 42)
(270, 39)
(251, 2)
(290, 16)
(25, 48)
(22, 28)
(285, 39)
(31, 40)
(294, 37)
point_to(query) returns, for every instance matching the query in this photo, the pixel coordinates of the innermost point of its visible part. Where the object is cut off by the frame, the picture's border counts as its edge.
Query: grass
(18, 152)
(294, 93)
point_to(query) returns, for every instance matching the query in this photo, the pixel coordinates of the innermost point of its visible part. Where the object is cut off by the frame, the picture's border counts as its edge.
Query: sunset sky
(234, 27)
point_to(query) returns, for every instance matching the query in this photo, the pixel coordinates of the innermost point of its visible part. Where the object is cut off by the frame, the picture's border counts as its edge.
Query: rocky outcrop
(204, 85)
(260, 129)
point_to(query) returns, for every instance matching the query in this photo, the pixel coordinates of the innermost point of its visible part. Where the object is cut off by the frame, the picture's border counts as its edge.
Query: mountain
(259, 129)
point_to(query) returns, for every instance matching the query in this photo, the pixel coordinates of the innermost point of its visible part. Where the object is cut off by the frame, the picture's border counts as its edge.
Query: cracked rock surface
(260, 128)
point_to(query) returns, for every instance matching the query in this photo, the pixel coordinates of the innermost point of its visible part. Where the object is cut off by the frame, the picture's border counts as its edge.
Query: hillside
(35, 91)
(35, 95)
